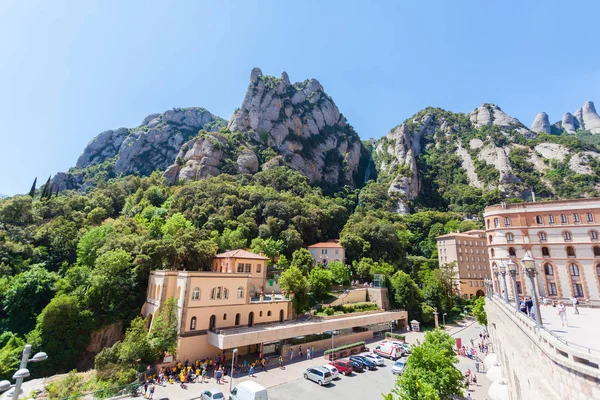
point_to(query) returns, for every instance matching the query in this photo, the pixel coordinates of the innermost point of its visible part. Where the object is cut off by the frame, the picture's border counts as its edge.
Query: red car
(345, 367)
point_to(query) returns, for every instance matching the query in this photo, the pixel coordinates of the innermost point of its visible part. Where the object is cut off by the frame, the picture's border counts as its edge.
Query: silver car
(398, 366)
(321, 375)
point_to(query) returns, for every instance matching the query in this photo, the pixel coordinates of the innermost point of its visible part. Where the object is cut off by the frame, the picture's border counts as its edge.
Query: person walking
(280, 362)
(151, 394)
(312, 352)
(562, 312)
(251, 374)
(308, 353)
(219, 375)
(300, 351)
(575, 303)
(529, 305)
(203, 374)
(291, 353)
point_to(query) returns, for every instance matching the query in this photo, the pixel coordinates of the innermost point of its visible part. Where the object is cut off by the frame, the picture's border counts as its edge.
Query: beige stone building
(563, 238)
(227, 308)
(325, 252)
(468, 252)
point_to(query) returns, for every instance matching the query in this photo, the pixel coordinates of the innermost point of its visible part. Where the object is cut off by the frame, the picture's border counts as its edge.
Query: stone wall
(352, 296)
(535, 364)
(322, 345)
(379, 296)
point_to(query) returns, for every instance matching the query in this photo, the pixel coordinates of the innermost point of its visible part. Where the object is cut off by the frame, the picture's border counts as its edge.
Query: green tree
(90, 242)
(293, 280)
(430, 371)
(479, 311)
(302, 260)
(406, 292)
(320, 281)
(26, 296)
(136, 346)
(177, 224)
(164, 329)
(269, 247)
(63, 331)
(32, 190)
(11, 348)
(339, 272)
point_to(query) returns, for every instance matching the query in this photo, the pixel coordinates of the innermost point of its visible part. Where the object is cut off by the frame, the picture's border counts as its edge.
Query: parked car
(249, 390)
(344, 367)
(405, 346)
(375, 358)
(321, 375)
(335, 374)
(366, 363)
(389, 350)
(356, 366)
(212, 394)
(398, 366)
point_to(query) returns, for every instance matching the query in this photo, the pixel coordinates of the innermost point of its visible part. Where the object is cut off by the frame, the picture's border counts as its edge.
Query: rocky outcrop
(491, 114)
(303, 125)
(579, 162)
(541, 124)
(468, 165)
(104, 146)
(569, 123)
(552, 151)
(197, 159)
(590, 121)
(498, 157)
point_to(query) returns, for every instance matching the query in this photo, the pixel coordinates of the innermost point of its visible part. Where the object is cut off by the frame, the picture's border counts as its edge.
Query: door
(212, 323)
(251, 319)
(280, 315)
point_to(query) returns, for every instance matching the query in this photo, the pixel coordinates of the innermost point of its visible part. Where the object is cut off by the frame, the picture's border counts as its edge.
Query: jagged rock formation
(151, 146)
(541, 124)
(303, 125)
(569, 123)
(585, 119)
(491, 114)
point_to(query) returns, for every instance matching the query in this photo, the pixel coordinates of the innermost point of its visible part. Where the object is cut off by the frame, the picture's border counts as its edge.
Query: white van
(388, 350)
(249, 390)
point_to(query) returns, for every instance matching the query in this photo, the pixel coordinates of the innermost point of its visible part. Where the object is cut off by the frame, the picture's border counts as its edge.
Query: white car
(334, 371)
(398, 366)
(375, 359)
(211, 394)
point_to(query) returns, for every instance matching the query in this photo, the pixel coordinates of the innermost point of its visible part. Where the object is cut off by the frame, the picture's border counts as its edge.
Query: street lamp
(502, 269)
(444, 318)
(22, 373)
(233, 353)
(530, 270)
(496, 272)
(512, 270)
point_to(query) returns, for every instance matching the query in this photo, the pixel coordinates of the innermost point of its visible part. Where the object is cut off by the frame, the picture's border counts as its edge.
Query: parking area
(364, 385)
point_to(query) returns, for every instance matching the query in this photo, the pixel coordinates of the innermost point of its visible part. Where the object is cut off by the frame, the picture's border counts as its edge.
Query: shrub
(345, 347)
(395, 336)
(329, 311)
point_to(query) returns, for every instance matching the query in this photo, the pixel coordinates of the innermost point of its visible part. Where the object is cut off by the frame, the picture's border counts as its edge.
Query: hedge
(395, 336)
(345, 347)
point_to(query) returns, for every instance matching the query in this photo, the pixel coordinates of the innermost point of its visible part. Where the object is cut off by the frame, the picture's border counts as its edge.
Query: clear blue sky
(71, 69)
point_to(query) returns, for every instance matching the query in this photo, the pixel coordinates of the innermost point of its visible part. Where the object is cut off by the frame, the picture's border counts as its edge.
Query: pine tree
(46, 189)
(32, 190)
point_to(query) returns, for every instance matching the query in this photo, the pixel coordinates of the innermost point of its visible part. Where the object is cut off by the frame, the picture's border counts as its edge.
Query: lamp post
(444, 318)
(530, 270)
(22, 373)
(502, 269)
(234, 352)
(512, 270)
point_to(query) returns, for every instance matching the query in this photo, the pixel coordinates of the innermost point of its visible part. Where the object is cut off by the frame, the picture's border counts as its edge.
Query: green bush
(345, 347)
(329, 311)
(395, 336)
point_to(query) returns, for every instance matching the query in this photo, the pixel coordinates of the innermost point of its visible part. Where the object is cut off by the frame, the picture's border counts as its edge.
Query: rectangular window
(563, 219)
(507, 221)
(338, 252)
(312, 251)
(219, 292)
(248, 268)
(470, 283)
(578, 290)
(476, 283)
(240, 267)
(258, 268)
(576, 218)
(552, 289)
(589, 217)
(551, 219)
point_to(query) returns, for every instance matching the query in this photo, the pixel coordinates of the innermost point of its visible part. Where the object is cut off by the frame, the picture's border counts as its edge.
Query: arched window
(593, 235)
(550, 219)
(237, 319)
(507, 221)
(574, 270)
(542, 236)
(563, 219)
(496, 222)
(589, 217)
(225, 293)
(212, 322)
(225, 317)
(280, 315)
(240, 292)
(468, 274)
(548, 269)
(488, 223)
(576, 218)
(596, 251)
(151, 291)
(492, 252)
(490, 239)
(510, 237)
(193, 324)
(260, 314)
(545, 252)
(196, 294)
(539, 219)
(512, 252)
(570, 251)
(212, 293)
(269, 313)
(598, 270)
(567, 235)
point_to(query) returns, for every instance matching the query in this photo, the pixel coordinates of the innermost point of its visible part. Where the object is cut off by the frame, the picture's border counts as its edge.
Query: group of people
(309, 352)
(357, 283)
(186, 372)
(562, 308)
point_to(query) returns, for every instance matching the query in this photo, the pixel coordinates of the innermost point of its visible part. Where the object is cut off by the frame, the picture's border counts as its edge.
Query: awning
(494, 373)
(490, 359)
(498, 391)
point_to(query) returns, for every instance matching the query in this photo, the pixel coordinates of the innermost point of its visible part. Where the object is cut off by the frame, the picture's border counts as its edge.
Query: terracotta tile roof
(240, 253)
(327, 245)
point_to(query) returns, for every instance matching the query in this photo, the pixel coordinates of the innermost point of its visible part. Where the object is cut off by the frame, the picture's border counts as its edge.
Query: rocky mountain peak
(302, 124)
(590, 121)
(541, 123)
(491, 114)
